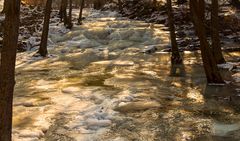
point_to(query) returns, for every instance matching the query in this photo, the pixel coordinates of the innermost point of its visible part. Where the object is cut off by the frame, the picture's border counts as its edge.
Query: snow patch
(70, 90)
(84, 43)
(31, 134)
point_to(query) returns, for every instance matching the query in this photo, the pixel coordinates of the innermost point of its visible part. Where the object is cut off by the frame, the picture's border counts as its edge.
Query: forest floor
(229, 22)
(108, 80)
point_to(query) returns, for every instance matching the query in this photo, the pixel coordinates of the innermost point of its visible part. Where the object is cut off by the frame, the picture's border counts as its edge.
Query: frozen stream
(99, 85)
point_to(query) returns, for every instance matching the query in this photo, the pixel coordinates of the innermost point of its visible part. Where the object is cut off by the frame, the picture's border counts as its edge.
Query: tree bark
(60, 13)
(7, 68)
(98, 4)
(176, 58)
(209, 63)
(201, 9)
(43, 46)
(69, 21)
(63, 11)
(80, 13)
(216, 46)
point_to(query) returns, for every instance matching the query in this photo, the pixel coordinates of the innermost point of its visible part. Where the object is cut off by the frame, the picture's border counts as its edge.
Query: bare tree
(43, 46)
(209, 63)
(80, 13)
(176, 58)
(69, 21)
(216, 46)
(98, 4)
(63, 11)
(60, 13)
(7, 68)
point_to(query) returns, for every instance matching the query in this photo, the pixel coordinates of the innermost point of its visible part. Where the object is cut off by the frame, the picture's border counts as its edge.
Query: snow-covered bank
(151, 12)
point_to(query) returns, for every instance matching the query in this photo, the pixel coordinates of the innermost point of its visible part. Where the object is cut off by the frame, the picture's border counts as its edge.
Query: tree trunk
(43, 46)
(63, 11)
(209, 63)
(201, 9)
(98, 4)
(176, 58)
(216, 46)
(80, 13)
(7, 68)
(69, 22)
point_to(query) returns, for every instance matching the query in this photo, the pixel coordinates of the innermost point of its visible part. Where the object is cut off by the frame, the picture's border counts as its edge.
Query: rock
(149, 49)
(31, 134)
(137, 106)
(98, 123)
(70, 90)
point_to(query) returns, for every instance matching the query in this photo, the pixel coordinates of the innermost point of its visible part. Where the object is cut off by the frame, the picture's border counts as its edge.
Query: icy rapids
(108, 80)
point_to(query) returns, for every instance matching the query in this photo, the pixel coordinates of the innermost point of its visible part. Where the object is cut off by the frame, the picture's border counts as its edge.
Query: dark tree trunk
(209, 63)
(69, 21)
(201, 9)
(63, 11)
(43, 46)
(60, 13)
(7, 68)
(80, 13)
(176, 58)
(216, 46)
(98, 4)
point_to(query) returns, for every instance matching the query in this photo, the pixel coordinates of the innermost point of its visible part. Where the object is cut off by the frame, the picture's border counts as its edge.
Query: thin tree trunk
(7, 68)
(98, 4)
(209, 63)
(80, 13)
(176, 58)
(63, 11)
(69, 22)
(43, 46)
(216, 46)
